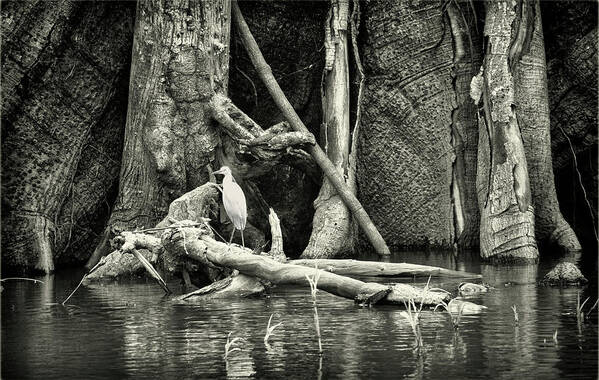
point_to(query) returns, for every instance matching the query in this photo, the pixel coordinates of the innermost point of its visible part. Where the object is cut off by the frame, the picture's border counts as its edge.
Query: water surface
(129, 329)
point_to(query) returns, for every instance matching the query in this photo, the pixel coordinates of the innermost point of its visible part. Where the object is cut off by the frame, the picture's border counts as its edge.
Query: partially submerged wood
(507, 225)
(192, 207)
(236, 285)
(118, 264)
(374, 268)
(179, 118)
(130, 246)
(265, 268)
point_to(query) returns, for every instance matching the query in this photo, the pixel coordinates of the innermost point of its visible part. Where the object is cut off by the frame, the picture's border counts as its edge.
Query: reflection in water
(509, 346)
(130, 330)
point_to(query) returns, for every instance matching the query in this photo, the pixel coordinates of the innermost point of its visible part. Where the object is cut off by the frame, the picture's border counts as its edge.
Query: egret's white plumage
(234, 201)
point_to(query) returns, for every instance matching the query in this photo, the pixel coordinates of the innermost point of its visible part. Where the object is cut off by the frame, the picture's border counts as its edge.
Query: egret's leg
(232, 233)
(242, 242)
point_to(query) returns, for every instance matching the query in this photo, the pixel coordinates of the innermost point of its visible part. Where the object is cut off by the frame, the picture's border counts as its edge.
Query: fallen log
(201, 247)
(380, 269)
(186, 240)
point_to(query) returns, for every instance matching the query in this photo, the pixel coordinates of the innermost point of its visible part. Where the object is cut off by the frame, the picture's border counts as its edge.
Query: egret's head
(224, 171)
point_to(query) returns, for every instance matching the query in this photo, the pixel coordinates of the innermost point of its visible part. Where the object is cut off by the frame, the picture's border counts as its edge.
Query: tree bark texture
(532, 103)
(32, 31)
(360, 215)
(570, 31)
(467, 58)
(180, 59)
(65, 73)
(507, 213)
(332, 232)
(406, 155)
(60, 79)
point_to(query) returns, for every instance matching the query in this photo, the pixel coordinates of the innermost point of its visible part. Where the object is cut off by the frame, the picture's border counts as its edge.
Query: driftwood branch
(268, 147)
(374, 268)
(267, 269)
(317, 153)
(129, 242)
(192, 207)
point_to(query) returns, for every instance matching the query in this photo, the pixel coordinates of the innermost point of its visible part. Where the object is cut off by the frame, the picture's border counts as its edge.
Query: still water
(130, 330)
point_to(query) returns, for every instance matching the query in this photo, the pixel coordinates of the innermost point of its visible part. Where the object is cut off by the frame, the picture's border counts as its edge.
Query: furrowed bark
(464, 128)
(532, 101)
(178, 88)
(332, 223)
(32, 31)
(506, 211)
(317, 153)
(572, 86)
(405, 152)
(66, 84)
(180, 59)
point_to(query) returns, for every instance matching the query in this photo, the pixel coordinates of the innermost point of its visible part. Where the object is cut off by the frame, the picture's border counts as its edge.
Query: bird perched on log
(234, 202)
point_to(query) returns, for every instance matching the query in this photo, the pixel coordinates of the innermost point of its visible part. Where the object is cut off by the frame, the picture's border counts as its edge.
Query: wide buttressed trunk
(507, 213)
(570, 30)
(58, 93)
(180, 59)
(406, 153)
(532, 103)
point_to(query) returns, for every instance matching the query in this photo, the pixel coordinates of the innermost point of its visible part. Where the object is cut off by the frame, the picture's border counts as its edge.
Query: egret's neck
(228, 179)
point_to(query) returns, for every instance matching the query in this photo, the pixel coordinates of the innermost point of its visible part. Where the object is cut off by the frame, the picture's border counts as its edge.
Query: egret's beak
(220, 171)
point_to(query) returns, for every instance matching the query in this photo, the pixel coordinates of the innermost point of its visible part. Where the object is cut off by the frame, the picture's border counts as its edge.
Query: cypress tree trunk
(180, 60)
(405, 160)
(58, 81)
(506, 210)
(532, 102)
(467, 48)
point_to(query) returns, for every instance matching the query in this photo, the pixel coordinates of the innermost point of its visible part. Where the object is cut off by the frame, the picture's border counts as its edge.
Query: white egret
(234, 202)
